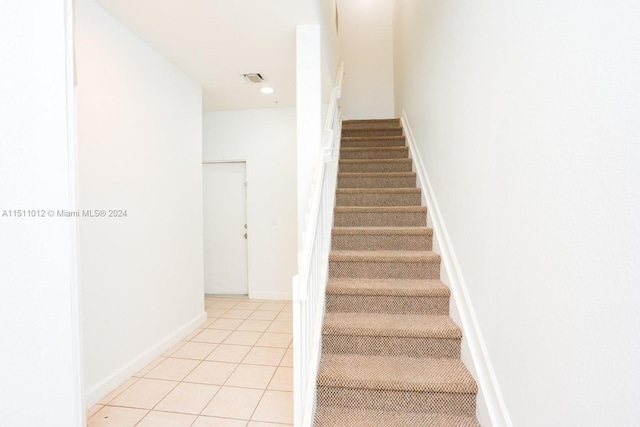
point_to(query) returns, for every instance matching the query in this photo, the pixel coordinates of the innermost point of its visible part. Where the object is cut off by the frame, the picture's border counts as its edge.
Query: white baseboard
(280, 296)
(104, 387)
(490, 403)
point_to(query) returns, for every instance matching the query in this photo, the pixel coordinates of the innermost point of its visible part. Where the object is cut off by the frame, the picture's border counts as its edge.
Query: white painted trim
(213, 162)
(79, 403)
(97, 392)
(280, 296)
(486, 378)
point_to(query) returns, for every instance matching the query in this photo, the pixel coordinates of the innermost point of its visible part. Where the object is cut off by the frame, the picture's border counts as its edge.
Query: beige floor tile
(207, 323)
(237, 314)
(232, 402)
(144, 394)
(225, 303)
(264, 356)
(195, 332)
(261, 424)
(254, 325)
(216, 312)
(243, 338)
(272, 306)
(112, 416)
(214, 336)
(95, 408)
(188, 398)
(275, 407)
(229, 353)
(194, 350)
(284, 317)
(172, 369)
(281, 327)
(263, 315)
(269, 339)
(150, 366)
(287, 360)
(251, 376)
(122, 387)
(248, 305)
(288, 308)
(166, 419)
(203, 421)
(227, 324)
(168, 352)
(215, 373)
(282, 380)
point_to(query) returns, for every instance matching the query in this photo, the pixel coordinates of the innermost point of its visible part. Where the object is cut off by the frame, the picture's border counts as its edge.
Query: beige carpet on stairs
(390, 351)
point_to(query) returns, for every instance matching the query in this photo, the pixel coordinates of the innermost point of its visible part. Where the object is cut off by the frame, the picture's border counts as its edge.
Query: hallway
(233, 371)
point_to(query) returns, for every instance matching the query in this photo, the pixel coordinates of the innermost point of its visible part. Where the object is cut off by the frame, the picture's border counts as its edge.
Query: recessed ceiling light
(266, 89)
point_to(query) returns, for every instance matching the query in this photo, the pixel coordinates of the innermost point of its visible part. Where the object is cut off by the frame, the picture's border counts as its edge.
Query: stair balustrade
(310, 282)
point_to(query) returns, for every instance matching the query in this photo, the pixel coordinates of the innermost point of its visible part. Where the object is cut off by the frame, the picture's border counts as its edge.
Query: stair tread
(384, 256)
(349, 417)
(375, 174)
(366, 128)
(365, 138)
(388, 120)
(391, 325)
(383, 209)
(395, 373)
(409, 190)
(404, 231)
(357, 149)
(404, 160)
(388, 287)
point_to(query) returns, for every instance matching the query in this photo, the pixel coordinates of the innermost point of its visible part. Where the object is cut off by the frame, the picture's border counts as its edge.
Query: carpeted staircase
(390, 351)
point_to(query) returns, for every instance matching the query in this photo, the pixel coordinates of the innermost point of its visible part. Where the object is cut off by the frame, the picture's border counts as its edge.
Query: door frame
(246, 195)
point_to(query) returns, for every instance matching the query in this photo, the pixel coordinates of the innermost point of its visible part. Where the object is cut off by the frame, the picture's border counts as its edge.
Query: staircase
(390, 351)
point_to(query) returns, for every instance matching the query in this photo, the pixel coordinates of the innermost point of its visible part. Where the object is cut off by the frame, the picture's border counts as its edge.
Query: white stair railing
(310, 282)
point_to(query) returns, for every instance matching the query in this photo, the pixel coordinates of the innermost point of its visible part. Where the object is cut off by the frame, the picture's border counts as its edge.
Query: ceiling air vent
(253, 77)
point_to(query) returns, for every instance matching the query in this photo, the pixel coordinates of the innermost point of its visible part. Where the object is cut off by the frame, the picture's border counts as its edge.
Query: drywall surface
(526, 115)
(366, 43)
(308, 116)
(40, 374)
(266, 140)
(140, 142)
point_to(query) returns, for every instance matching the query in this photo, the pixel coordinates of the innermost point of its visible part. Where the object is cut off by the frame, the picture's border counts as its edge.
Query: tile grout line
(206, 325)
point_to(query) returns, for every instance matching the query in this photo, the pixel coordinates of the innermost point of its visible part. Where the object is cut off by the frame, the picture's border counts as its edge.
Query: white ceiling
(216, 41)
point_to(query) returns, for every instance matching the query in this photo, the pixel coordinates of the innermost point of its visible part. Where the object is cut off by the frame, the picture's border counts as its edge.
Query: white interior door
(225, 219)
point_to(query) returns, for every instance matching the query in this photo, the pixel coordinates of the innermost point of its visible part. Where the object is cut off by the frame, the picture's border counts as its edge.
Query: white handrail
(310, 282)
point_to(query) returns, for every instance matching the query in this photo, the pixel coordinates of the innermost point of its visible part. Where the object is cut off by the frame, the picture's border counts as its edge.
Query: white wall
(266, 139)
(40, 374)
(140, 136)
(526, 115)
(309, 116)
(330, 46)
(366, 42)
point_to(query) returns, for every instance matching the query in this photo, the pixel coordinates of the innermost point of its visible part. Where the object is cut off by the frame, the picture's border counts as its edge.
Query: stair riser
(377, 182)
(384, 270)
(386, 304)
(369, 242)
(393, 400)
(380, 219)
(395, 153)
(375, 167)
(343, 417)
(349, 132)
(378, 199)
(391, 346)
(373, 142)
(370, 124)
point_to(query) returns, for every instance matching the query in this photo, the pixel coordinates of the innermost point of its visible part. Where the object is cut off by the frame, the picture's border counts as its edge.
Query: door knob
(245, 235)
